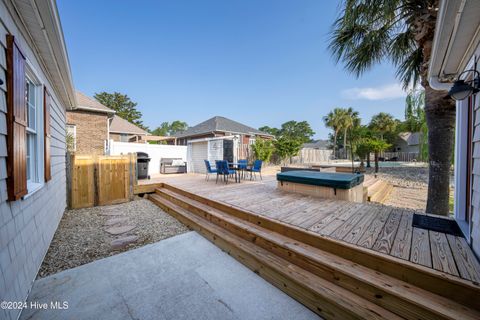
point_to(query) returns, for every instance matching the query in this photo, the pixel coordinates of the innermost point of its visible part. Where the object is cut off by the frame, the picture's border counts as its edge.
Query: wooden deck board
(385, 240)
(357, 231)
(335, 219)
(420, 251)
(347, 226)
(369, 237)
(403, 240)
(384, 229)
(442, 256)
(468, 265)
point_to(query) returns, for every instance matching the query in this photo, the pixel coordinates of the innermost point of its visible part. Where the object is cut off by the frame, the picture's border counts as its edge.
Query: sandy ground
(410, 186)
(80, 237)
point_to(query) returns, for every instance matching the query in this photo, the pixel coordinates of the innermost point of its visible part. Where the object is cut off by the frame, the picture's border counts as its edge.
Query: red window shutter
(47, 101)
(16, 122)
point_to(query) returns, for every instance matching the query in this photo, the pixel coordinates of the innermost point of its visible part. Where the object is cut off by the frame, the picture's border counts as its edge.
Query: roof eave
(54, 60)
(455, 41)
(93, 109)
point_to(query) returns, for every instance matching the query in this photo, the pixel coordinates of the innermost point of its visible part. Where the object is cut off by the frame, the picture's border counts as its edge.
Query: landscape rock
(114, 221)
(123, 242)
(119, 229)
(112, 211)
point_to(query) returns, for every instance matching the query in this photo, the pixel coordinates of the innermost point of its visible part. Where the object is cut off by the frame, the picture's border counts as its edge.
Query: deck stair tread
(323, 297)
(384, 291)
(379, 190)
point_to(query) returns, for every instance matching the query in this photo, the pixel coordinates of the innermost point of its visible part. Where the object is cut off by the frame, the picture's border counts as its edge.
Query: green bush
(263, 149)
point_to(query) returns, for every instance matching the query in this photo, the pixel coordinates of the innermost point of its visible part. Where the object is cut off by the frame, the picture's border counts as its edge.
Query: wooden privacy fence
(100, 180)
(310, 155)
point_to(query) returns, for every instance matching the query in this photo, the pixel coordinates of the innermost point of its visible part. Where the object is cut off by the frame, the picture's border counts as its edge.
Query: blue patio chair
(224, 170)
(257, 167)
(210, 170)
(242, 166)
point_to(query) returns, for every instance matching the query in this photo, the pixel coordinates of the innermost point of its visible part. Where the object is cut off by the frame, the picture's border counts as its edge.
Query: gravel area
(410, 185)
(80, 237)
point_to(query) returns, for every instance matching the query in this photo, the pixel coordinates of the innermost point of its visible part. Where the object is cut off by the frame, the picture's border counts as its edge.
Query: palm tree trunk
(345, 142)
(440, 116)
(376, 161)
(368, 160)
(334, 143)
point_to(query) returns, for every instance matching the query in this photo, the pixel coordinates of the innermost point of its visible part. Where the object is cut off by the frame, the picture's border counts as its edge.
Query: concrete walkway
(183, 277)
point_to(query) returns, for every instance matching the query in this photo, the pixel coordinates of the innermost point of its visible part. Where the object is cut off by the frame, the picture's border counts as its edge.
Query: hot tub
(339, 186)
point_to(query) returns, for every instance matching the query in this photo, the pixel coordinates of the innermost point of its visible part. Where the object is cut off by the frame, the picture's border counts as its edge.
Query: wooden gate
(101, 180)
(82, 186)
(113, 179)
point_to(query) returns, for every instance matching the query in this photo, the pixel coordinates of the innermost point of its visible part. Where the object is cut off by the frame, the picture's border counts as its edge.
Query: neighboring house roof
(317, 144)
(119, 125)
(220, 124)
(411, 138)
(84, 102)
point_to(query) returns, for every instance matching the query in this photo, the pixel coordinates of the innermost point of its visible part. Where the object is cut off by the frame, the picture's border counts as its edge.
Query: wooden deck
(384, 229)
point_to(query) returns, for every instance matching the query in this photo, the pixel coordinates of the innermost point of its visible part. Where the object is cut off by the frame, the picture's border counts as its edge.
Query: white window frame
(36, 180)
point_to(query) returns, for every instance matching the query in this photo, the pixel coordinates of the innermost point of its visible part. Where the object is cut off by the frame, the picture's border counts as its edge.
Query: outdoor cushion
(178, 162)
(323, 179)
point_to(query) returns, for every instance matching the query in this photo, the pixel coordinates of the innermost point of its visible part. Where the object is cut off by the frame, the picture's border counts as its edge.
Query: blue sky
(259, 62)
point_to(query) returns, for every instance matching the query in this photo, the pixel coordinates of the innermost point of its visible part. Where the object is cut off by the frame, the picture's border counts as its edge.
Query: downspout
(108, 133)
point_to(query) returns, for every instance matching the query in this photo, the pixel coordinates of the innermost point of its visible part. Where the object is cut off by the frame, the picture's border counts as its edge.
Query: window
(124, 137)
(32, 145)
(71, 139)
(35, 134)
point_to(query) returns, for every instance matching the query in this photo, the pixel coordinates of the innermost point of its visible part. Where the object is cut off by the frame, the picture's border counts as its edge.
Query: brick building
(88, 125)
(91, 126)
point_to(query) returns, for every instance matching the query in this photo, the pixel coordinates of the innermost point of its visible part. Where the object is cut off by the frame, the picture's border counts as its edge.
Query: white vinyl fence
(155, 152)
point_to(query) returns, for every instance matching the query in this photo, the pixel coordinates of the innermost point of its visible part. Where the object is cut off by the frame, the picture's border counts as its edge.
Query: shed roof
(220, 124)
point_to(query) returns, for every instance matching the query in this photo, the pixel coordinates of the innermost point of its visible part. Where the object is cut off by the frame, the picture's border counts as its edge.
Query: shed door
(199, 154)
(228, 150)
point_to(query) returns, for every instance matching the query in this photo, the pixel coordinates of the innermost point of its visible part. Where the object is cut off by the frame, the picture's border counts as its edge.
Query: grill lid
(142, 156)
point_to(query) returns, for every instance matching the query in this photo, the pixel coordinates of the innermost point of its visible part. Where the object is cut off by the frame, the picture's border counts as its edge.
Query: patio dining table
(236, 166)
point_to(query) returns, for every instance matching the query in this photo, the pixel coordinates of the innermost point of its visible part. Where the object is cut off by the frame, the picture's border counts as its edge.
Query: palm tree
(349, 119)
(333, 120)
(383, 123)
(377, 146)
(401, 31)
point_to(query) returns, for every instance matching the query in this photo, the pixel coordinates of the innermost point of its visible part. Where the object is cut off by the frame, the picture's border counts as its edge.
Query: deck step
(369, 180)
(380, 289)
(440, 283)
(323, 297)
(379, 191)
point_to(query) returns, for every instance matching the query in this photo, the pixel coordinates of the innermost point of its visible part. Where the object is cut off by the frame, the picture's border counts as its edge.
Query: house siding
(475, 200)
(27, 226)
(91, 131)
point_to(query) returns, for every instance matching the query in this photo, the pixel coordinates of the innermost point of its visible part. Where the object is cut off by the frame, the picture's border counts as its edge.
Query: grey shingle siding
(475, 227)
(27, 226)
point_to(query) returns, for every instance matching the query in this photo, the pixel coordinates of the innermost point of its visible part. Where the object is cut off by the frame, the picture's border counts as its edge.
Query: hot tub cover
(323, 179)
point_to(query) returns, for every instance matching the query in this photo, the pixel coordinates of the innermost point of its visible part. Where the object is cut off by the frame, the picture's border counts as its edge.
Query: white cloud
(386, 92)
